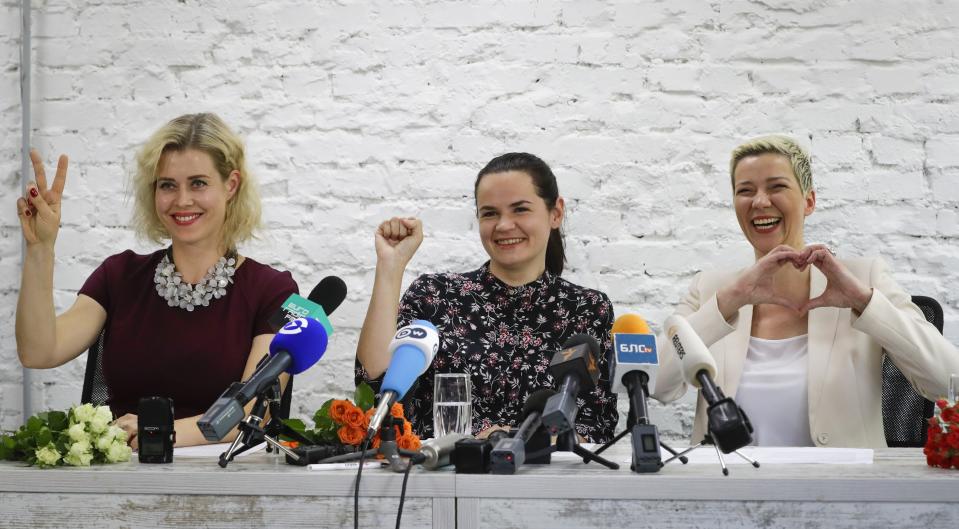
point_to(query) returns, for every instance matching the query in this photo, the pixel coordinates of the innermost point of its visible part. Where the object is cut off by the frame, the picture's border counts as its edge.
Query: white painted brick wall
(356, 111)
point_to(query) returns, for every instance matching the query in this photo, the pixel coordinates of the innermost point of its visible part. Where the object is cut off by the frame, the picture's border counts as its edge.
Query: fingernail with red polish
(33, 192)
(27, 213)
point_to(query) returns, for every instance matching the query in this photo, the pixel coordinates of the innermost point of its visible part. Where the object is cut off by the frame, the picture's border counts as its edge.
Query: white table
(898, 490)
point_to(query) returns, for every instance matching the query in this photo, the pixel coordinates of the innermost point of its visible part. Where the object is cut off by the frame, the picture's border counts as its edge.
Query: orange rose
(290, 444)
(397, 410)
(359, 434)
(407, 428)
(408, 442)
(338, 409)
(354, 417)
(350, 436)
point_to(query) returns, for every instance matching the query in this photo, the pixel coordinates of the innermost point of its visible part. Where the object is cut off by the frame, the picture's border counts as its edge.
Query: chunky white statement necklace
(178, 293)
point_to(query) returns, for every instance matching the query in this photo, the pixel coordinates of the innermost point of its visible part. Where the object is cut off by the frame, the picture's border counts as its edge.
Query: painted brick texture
(356, 111)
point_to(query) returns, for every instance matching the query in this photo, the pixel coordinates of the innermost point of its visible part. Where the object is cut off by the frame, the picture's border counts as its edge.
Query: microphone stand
(637, 424)
(727, 424)
(388, 449)
(251, 434)
(568, 442)
(709, 440)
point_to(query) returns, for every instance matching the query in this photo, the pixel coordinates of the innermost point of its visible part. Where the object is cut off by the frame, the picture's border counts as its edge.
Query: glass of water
(452, 404)
(953, 387)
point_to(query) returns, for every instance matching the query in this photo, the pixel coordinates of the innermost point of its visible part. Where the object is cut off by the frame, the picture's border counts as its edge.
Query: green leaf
(363, 396)
(327, 437)
(296, 430)
(296, 425)
(44, 437)
(26, 440)
(58, 421)
(35, 423)
(326, 424)
(7, 447)
(311, 437)
(323, 412)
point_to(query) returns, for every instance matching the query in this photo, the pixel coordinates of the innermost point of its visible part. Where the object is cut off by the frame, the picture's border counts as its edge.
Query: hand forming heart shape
(759, 283)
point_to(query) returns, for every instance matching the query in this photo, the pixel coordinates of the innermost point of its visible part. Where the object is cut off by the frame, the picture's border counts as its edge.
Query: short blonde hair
(208, 133)
(777, 144)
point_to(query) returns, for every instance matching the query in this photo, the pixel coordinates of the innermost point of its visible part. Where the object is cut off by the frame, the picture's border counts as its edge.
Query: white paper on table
(778, 455)
(347, 465)
(212, 450)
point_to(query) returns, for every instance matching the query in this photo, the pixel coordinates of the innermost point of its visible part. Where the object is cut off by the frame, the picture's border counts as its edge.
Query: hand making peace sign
(39, 208)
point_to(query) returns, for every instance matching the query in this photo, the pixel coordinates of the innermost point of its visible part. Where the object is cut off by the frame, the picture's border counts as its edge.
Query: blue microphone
(412, 349)
(295, 348)
(298, 345)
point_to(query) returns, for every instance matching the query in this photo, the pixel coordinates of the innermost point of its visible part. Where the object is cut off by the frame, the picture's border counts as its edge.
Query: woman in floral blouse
(502, 322)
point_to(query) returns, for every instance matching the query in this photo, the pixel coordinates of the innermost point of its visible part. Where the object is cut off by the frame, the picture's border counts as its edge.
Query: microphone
(575, 365)
(325, 297)
(634, 362)
(412, 350)
(510, 453)
(437, 451)
(727, 422)
(634, 365)
(295, 348)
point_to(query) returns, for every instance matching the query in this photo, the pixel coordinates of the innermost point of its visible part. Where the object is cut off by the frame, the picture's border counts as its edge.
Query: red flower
(952, 439)
(931, 460)
(350, 436)
(338, 409)
(408, 442)
(354, 417)
(942, 437)
(949, 415)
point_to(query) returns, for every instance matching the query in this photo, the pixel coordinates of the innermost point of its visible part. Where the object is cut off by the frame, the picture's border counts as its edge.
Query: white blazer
(845, 354)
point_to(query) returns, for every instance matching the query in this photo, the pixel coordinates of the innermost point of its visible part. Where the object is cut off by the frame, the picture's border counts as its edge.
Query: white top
(773, 391)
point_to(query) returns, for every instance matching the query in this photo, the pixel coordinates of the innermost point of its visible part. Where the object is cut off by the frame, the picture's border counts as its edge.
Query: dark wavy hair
(545, 183)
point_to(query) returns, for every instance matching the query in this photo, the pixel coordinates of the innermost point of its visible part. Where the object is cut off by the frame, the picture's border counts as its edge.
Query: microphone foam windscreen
(405, 367)
(305, 339)
(630, 324)
(578, 339)
(328, 293)
(537, 401)
(689, 347)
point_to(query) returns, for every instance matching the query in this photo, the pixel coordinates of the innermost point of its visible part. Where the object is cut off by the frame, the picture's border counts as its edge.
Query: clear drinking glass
(452, 404)
(953, 387)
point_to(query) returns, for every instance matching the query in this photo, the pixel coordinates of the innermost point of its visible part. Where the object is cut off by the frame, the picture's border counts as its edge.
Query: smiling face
(191, 196)
(770, 206)
(515, 224)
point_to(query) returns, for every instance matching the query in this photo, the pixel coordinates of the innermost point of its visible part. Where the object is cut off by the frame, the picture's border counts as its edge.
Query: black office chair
(95, 390)
(905, 413)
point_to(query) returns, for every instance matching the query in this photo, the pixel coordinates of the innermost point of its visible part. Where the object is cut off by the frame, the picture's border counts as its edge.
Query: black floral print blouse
(505, 337)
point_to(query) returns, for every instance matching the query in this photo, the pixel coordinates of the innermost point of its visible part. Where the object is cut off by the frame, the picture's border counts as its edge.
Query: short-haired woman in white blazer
(798, 337)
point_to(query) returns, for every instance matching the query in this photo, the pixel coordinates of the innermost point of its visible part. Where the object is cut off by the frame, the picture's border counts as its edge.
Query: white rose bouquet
(78, 437)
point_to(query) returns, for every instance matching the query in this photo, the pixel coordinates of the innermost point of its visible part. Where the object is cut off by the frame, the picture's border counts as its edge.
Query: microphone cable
(356, 490)
(406, 476)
